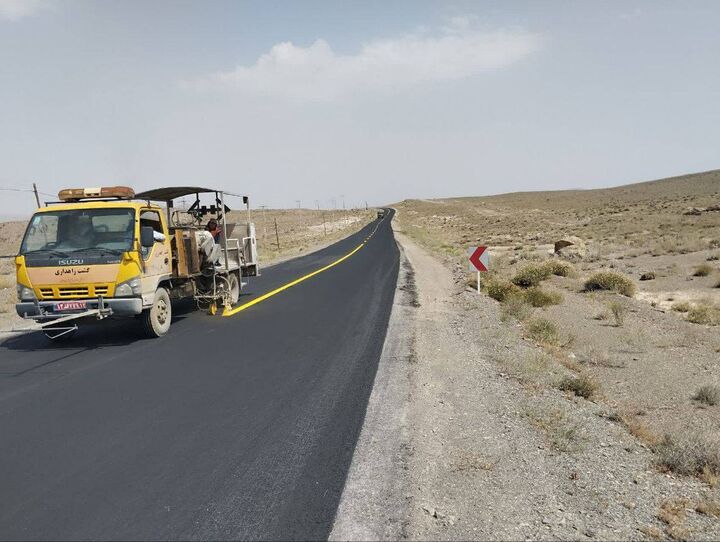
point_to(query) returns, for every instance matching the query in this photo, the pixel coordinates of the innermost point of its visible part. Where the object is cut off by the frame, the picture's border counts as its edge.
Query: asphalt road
(237, 427)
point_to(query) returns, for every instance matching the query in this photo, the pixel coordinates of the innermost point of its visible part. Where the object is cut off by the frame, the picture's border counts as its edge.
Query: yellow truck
(107, 252)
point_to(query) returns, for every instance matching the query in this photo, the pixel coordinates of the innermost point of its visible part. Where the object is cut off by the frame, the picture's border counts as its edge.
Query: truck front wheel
(156, 319)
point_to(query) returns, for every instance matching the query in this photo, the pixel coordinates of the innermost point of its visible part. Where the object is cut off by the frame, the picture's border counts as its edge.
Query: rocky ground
(499, 453)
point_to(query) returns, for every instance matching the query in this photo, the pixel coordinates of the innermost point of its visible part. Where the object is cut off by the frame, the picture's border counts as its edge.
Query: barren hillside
(625, 316)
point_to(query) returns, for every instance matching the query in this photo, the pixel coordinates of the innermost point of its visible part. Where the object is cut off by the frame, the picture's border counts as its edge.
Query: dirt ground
(582, 417)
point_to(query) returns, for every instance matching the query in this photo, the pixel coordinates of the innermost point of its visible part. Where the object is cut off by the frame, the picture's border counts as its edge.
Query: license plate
(63, 306)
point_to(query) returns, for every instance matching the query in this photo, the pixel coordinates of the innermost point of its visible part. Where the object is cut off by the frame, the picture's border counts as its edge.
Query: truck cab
(80, 256)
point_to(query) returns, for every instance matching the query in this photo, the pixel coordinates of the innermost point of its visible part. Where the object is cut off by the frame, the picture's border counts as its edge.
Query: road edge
(374, 505)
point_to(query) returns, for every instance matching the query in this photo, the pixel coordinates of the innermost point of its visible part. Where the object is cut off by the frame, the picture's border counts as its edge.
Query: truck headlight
(129, 288)
(24, 293)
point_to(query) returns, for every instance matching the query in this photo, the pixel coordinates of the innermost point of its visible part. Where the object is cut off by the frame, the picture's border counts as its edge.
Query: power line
(26, 190)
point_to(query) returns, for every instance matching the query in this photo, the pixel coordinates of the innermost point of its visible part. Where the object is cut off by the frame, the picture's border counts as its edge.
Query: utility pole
(298, 203)
(277, 236)
(334, 204)
(37, 197)
(317, 204)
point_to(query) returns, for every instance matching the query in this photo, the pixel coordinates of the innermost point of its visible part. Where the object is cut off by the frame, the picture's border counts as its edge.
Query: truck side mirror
(147, 239)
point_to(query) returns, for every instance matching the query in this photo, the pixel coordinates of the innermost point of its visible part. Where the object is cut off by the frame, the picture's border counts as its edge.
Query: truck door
(158, 262)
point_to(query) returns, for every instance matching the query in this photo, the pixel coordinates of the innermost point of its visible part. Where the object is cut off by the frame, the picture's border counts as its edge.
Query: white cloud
(12, 10)
(385, 65)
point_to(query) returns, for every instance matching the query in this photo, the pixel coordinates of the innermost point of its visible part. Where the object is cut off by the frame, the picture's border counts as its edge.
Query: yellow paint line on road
(231, 312)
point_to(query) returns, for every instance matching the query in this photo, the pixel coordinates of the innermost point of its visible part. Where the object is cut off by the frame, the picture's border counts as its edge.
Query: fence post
(277, 237)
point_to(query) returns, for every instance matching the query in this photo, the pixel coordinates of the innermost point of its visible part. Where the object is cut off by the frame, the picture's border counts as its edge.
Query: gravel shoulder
(467, 437)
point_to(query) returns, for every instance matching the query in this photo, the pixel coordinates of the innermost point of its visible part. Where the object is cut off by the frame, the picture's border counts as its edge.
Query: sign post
(479, 259)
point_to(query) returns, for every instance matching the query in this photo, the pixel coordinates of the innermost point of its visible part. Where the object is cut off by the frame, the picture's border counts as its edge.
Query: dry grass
(531, 275)
(563, 434)
(690, 454)
(541, 298)
(708, 394)
(637, 428)
(708, 508)
(702, 270)
(649, 275)
(515, 306)
(681, 306)
(544, 331)
(560, 268)
(651, 531)
(583, 386)
(609, 280)
(618, 310)
(704, 315)
(501, 290)
(673, 514)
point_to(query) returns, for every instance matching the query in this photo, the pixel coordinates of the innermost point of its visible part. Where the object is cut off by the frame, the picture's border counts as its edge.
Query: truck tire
(156, 319)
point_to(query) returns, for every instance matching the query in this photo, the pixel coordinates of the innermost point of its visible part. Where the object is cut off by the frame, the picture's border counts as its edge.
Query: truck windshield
(80, 230)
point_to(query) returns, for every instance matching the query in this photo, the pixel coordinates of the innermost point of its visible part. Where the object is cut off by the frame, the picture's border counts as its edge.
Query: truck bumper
(44, 310)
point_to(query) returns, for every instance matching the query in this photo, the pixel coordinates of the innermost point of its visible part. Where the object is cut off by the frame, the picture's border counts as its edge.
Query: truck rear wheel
(156, 319)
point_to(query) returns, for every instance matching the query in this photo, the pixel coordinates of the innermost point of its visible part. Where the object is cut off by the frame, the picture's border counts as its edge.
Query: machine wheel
(234, 285)
(156, 319)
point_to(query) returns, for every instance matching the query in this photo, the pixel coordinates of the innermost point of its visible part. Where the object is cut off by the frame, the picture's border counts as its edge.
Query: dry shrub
(515, 306)
(582, 386)
(708, 394)
(609, 280)
(651, 531)
(564, 435)
(544, 331)
(702, 270)
(560, 268)
(708, 508)
(641, 431)
(592, 355)
(540, 298)
(681, 306)
(531, 275)
(500, 290)
(673, 514)
(717, 284)
(618, 310)
(690, 454)
(705, 315)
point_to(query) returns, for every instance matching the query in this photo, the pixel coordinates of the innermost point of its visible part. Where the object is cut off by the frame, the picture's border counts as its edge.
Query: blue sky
(376, 101)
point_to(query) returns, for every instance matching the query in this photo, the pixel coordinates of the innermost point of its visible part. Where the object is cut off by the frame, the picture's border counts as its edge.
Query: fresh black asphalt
(237, 427)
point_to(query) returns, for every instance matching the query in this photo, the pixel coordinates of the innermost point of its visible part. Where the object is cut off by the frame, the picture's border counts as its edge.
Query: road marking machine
(108, 252)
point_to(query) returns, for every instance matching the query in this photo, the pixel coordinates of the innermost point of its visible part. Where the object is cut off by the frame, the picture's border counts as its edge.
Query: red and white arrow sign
(479, 258)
